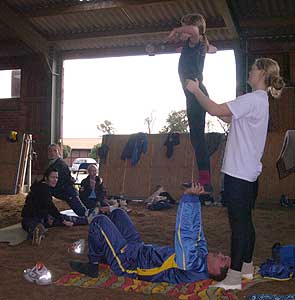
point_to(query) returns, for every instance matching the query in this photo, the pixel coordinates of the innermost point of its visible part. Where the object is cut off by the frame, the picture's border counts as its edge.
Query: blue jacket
(136, 145)
(190, 243)
(187, 262)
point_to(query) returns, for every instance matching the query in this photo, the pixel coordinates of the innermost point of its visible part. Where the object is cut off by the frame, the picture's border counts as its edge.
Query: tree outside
(149, 121)
(176, 122)
(106, 127)
(66, 151)
(93, 152)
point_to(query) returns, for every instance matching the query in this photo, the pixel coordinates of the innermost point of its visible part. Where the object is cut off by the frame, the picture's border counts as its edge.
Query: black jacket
(64, 176)
(39, 202)
(171, 141)
(85, 190)
(191, 62)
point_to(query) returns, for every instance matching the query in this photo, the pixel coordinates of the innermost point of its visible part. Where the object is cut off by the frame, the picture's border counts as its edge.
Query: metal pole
(29, 169)
(25, 163)
(247, 65)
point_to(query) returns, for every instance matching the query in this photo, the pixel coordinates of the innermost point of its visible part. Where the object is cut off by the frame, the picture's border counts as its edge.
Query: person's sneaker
(77, 247)
(232, 281)
(249, 276)
(88, 269)
(38, 274)
(38, 234)
(226, 286)
(247, 271)
(92, 214)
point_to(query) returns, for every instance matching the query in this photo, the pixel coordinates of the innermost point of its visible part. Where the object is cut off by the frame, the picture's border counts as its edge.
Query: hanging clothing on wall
(171, 141)
(136, 145)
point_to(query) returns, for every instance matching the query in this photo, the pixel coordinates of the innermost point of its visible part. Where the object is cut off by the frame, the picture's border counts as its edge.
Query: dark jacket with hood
(100, 192)
(65, 179)
(39, 202)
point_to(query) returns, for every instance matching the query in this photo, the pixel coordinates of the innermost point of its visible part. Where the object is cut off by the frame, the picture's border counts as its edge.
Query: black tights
(240, 198)
(196, 120)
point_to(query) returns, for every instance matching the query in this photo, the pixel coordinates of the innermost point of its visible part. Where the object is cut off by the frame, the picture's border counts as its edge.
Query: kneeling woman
(39, 211)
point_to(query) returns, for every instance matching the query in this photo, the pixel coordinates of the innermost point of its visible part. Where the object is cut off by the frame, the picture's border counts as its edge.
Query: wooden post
(124, 177)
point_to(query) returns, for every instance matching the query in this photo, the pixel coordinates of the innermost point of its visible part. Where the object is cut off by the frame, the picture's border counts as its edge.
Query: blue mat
(271, 297)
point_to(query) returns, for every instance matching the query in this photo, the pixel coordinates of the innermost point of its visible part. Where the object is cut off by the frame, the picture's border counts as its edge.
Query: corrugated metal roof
(119, 18)
(97, 24)
(265, 8)
(160, 14)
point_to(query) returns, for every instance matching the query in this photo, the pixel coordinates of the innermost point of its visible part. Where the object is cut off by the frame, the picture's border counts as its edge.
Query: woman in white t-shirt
(248, 116)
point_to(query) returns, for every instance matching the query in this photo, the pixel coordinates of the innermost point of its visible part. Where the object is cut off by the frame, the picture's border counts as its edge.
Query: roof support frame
(224, 9)
(212, 23)
(66, 8)
(23, 30)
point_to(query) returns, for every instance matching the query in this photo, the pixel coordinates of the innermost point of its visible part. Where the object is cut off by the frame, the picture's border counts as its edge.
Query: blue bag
(275, 270)
(282, 264)
(284, 254)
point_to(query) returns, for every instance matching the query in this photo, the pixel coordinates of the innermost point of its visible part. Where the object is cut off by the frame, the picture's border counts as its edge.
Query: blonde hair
(55, 146)
(92, 166)
(274, 82)
(199, 21)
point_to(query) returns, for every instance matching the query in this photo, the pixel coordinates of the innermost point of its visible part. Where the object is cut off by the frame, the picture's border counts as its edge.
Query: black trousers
(69, 194)
(240, 198)
(196, 120)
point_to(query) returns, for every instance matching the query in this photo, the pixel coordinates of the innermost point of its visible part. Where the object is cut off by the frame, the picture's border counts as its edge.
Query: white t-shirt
(247, 136)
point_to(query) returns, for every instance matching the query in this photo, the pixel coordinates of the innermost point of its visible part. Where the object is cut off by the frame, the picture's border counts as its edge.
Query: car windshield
(84, 160)
(79, 161)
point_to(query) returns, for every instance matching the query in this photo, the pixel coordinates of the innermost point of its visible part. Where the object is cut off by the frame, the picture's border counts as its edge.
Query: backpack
(284, 254)
(282, 264)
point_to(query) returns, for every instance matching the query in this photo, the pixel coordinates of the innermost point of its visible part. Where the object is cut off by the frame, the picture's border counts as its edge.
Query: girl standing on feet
(248, 116)
(191, 64)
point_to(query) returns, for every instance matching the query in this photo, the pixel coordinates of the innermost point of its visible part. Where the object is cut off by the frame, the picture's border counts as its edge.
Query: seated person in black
(64, 189)
(39, 211)
(92, 192)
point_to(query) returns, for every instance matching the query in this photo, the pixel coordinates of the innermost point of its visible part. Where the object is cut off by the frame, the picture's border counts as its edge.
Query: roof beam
(267, 22)
(10, 47)
(133, 50)
(286, 32)
(23, 30)
(225, 11)
(34, 11)
(212, 23)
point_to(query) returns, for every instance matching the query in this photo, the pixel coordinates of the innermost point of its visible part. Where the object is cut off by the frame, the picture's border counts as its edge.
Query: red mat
(185, 291)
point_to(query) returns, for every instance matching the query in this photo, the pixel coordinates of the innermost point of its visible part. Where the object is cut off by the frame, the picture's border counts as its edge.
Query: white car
(78, 161)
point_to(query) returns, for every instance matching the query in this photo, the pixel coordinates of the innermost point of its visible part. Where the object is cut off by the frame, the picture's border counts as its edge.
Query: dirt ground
(273, 224)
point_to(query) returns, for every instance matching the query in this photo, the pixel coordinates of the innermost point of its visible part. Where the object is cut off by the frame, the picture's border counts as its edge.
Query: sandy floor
(273, 224)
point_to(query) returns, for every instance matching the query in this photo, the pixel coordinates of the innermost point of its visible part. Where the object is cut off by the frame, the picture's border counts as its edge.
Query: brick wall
(31, 112)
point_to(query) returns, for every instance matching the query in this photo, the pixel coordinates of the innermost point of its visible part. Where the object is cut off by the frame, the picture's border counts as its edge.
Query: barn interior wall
(31, 112)
(154, 167)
